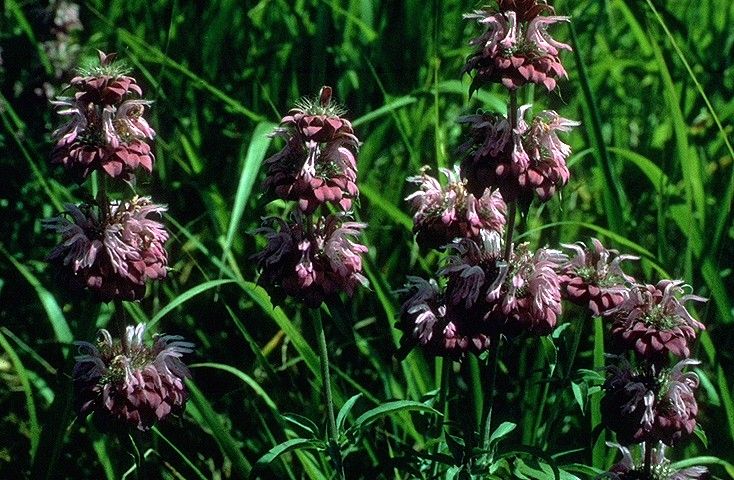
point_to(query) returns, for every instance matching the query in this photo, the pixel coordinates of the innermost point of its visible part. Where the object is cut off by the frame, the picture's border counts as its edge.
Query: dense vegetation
(651, 175)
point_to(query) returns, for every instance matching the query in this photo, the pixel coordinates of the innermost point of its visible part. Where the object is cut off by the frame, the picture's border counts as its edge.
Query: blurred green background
(652, 82)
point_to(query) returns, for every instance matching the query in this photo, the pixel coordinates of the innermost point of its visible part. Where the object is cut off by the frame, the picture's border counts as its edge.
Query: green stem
(119, 320)
(138, 454)
(489, 398)
(512, 207)
(648, 459)
(334, 450)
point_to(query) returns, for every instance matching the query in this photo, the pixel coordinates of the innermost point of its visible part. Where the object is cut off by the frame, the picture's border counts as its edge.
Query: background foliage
(652, 82)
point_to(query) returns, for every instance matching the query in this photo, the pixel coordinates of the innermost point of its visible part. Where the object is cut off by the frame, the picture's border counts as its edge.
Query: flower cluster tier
(110, 250)
(315, 255)
(126, 381)
(106, 130)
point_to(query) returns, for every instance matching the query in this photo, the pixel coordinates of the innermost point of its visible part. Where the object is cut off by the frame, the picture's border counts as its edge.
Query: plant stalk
(648, 459)
(489, 398)
(334, 450)
(512, 207)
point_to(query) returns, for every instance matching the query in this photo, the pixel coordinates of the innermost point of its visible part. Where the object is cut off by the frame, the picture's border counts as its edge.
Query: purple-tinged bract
(311, 261)
(515, 48)
(105, 129)
(443, 214)
(650, 403)
(654, 322)
(318, 164)
(531, 291)
(487, 155)
(127, 382)
(539, 156)
(593, 277)
(111, 252)
(525, 162)
(438, 327)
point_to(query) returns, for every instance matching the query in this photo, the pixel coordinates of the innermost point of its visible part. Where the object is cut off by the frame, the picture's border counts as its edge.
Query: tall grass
(652, 82)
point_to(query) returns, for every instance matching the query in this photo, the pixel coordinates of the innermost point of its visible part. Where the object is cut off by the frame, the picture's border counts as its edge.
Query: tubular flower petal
(594, 278)
(650, 403)
(111, 253)
(653, 320)
(531, 293)
(529, 160)
(445, 213)
(311, 262)
(126, 382)
(487, 155)
(516, 48)
(319, 161)
(439, 328)
(539, 156)
(105, 128)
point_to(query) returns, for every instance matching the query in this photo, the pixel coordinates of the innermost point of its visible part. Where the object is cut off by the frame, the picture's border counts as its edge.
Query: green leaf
(201, 410)
(504, 429)
(35, 427)
(384, 110)
(53, 311)
(244, 377)
(181, 454)
(250, 168)
(341, 417)
(285, 447)
(186, 296)
(390, 408)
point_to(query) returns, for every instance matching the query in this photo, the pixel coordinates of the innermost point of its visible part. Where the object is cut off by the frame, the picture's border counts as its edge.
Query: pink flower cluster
(106, 129)
(484, 297)
(529, 160)
(313, 257)
(650, 404)
(516, 48)
(318, 164)
(445, 213)
(111, 251)
(311, 261)
(593, 277)
(129, 382)
(654, 322)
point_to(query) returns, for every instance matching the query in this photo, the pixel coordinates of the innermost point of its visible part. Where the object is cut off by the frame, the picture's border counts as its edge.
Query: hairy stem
(489, 397)
(648, 459)
(334, 450)
(512, 207)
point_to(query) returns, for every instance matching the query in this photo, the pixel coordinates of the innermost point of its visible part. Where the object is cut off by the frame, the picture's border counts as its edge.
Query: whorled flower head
(445, 213)
(475, 274)
(318, 163)
(593, 277)
(487, 155)
(127, 382)
(105, 129)
(631, 468)
(437, 326)
(650, 403)
(531, 292)
(111, 252)
(531, 160)
(539, 156)
(311, 262)
(653, 320)
(516, 48)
